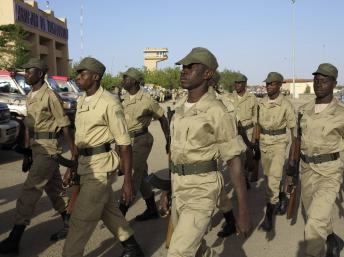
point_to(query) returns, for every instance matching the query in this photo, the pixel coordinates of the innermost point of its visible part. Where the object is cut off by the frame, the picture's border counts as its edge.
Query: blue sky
(250, 36)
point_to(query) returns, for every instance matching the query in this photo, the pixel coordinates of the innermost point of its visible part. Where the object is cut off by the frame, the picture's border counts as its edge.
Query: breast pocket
(200, 132)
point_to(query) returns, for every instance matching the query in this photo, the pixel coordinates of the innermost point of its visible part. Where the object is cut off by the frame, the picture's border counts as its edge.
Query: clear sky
(251, 36)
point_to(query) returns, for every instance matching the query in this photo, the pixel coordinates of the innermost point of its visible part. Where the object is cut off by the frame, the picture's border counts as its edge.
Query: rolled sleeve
(230, 144)
(156, 110)
(117, 125)
(57, 111)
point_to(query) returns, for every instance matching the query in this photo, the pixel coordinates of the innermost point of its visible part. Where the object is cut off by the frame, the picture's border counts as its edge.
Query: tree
(307, 90)
(227, 79)
(14, 49)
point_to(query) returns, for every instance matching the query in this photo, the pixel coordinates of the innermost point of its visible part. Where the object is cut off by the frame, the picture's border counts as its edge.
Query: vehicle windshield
(7, 85)
(62, 84)
(21, 81)
(74, 85)
(54, 85)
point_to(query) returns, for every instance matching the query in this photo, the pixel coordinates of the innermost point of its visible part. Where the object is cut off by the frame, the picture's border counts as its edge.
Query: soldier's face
(85, 79)
(128, 82)
(323, 85)
(32, 76)
(273, 88)
(239, 87)
(193, 75)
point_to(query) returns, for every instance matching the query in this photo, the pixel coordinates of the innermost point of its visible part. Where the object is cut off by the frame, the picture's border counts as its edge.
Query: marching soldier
(202, 132)
(139, 110)
(276, 114)
(43, 125)
(99, 122)
(321, 168)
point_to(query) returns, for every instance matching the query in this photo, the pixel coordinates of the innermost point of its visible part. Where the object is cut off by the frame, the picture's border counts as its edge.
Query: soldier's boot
(62, 233)
(131, 248)
(334, 245)
(266, 225)
(151, 212)
(11, 244)
(282, 205)
(229, 227)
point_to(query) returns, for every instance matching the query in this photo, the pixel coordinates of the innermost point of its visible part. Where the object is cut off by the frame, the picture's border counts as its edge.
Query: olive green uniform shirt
(98, 121)
(45, 114)
(245, 107)
(204, 132)
(323, 133)
(273, 116)
(140, 110)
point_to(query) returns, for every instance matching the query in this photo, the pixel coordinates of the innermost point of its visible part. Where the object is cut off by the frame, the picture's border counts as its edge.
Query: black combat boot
(282, 205)
(62, 233)
(151, 212)
(131, 248)
(334, 245)
(229, 227)
(266, 225)
(11, 244)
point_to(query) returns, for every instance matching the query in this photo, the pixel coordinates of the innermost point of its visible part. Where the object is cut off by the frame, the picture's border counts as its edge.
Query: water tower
(154, 55)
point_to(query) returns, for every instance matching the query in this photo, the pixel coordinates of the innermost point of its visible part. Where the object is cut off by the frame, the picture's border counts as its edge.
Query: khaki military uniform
(99, 120)
(205, 132)
(45, 114)
(246, 110)
(322, 133)
(225, 201)
(139, 112)
(274, 116)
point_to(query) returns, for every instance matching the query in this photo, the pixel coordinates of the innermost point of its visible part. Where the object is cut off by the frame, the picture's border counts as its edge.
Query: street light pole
(293, 45)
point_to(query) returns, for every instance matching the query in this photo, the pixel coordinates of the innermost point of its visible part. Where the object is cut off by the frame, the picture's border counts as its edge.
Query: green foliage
(307, 90)
(167, 78)
(227, 79)
(109, 82)
(72, 69)
(14, 49)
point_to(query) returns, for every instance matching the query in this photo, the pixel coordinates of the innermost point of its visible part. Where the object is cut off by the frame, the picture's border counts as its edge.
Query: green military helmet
(36, 63)
(327, 69)
(135, 74)
(200, 55)
(274, 77)
(91, 64)
(240, 78)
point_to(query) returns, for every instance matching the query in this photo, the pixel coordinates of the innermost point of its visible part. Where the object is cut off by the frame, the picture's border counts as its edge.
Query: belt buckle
(317, 159)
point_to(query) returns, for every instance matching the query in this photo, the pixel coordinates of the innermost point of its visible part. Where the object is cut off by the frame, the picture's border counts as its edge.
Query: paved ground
(286, 241)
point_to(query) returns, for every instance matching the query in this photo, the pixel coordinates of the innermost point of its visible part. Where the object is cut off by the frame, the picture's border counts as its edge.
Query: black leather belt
(45, 135)
(138, 133)
(274, 132)
(195, 168)
(95, 150)
(247, 127)
(316, 159)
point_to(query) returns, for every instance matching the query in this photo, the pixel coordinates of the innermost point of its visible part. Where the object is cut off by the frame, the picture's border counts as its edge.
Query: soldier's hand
(243, 224)
(163, 205)
(127, 192)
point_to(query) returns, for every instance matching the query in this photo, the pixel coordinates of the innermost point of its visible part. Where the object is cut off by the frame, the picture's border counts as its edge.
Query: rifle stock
(292, 181)
(256, 137)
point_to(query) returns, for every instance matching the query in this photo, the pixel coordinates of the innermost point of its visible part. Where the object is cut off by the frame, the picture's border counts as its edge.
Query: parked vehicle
(9, 129)
(67, 86)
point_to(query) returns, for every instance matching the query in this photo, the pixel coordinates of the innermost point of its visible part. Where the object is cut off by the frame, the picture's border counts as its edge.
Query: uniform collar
(278, 101)
(39, 95)
(243, 98)
(137, 96)
(330, 109)
(202, 105)
(94, 98)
